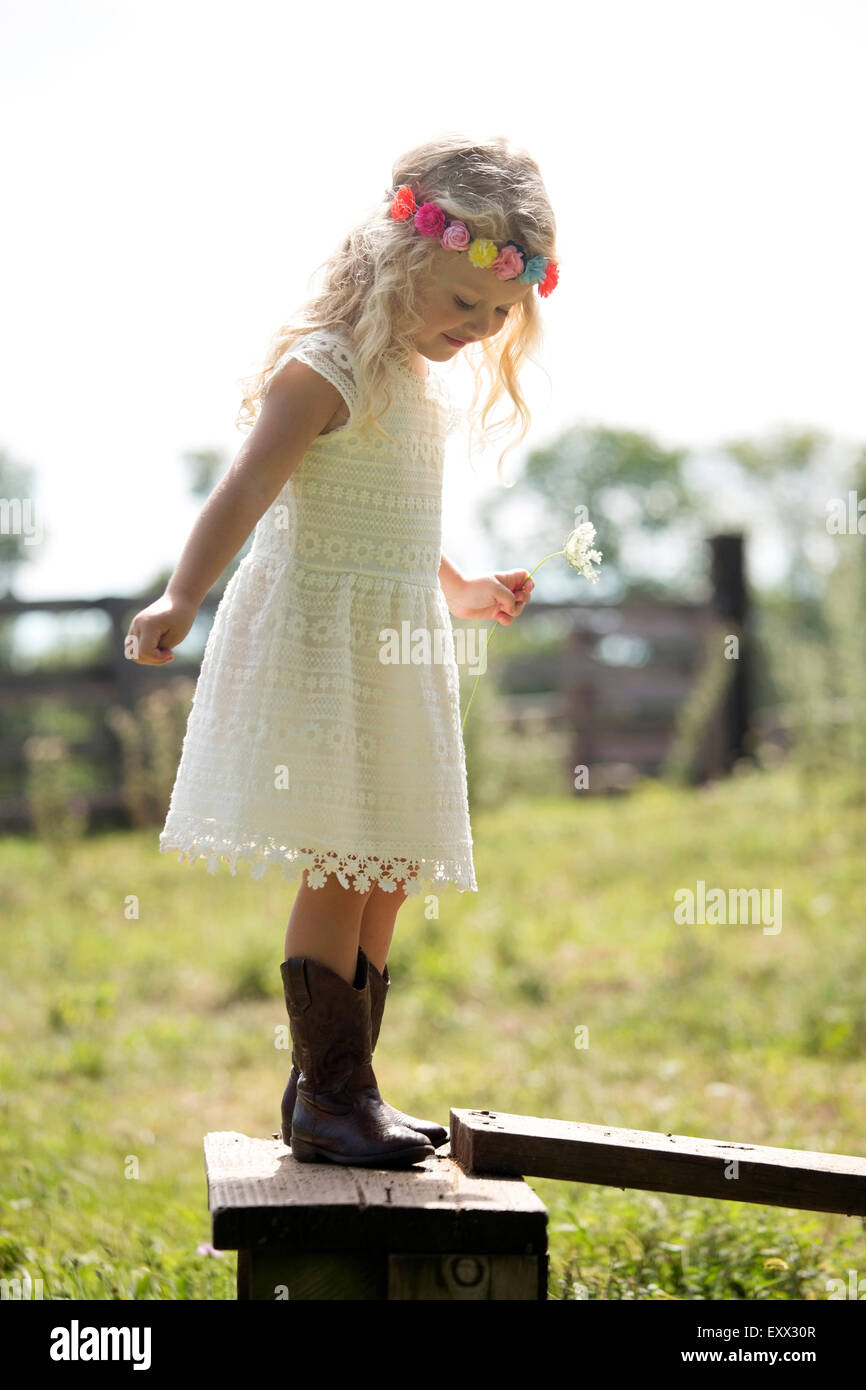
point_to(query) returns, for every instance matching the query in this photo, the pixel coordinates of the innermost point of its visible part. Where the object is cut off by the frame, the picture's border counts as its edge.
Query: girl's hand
(159, 627)
(502, 596)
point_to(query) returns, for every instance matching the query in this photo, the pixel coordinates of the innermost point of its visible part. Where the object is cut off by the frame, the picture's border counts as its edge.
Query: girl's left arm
(450, 580)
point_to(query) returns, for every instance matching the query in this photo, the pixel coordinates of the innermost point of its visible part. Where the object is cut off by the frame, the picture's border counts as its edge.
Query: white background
(173, 174)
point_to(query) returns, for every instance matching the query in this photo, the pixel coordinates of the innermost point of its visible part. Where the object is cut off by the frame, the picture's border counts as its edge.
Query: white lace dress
(304, 748)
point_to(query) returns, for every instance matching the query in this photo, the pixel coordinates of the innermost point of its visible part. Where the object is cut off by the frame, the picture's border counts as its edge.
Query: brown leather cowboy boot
(339, 1115)
(378, 985)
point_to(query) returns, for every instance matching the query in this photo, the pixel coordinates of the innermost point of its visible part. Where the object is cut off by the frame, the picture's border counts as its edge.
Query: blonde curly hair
(371, 280)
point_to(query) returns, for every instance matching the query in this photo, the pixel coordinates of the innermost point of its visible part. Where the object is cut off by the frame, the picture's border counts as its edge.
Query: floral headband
(510, 262)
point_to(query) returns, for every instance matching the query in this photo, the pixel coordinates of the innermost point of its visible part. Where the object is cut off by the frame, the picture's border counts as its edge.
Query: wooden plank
(627, 746)
(661, 620)
(16, 811)
(258, 1194)
(79, 685)
(632, 687)
(493, 1142)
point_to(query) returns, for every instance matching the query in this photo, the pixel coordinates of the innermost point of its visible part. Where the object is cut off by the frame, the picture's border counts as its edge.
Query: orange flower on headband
(550, 281)
(403, 205)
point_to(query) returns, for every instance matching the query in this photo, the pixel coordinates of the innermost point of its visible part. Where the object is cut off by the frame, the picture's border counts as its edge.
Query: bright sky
(173, 174)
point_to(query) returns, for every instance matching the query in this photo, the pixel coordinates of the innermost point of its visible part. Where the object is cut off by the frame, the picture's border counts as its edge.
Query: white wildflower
(578, 553)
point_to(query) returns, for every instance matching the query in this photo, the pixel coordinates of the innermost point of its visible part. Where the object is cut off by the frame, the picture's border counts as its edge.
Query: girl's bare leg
(325, 925)
(377, 924)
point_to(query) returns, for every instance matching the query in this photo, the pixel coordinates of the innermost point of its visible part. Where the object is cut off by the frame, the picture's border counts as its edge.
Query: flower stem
(497, 625)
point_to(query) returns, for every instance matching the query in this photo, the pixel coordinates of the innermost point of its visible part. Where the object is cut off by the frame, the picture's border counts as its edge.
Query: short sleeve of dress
(328, 352)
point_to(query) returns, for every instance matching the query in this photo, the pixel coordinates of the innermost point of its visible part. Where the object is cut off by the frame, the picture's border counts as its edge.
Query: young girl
(307, 745)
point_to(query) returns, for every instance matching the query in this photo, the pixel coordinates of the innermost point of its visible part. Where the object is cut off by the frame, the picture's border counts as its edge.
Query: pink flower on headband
(456, 237)
(509, 263)
(430, 220)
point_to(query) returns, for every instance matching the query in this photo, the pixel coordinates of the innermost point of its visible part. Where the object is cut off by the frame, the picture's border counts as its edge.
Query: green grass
(124, 1040)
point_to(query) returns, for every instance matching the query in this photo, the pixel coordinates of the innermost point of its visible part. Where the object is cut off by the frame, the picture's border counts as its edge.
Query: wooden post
(328, 1231)
(730, 603)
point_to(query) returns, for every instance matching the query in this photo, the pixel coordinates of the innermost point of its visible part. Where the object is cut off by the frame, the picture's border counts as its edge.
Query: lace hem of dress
(364, 869)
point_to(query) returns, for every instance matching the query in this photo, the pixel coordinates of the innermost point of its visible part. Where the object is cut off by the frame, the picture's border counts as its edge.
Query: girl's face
(461, 303)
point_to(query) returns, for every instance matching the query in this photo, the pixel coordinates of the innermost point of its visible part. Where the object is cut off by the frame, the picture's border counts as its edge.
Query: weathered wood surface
(492, 1142)
(276, 1274)
(259, 1195)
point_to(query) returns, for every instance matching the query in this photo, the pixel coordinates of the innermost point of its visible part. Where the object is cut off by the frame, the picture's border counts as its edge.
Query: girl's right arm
(295, 411)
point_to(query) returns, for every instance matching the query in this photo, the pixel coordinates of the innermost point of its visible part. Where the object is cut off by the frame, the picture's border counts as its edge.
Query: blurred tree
(205, 468)
(633, 490)
(19, 517)
(653, 508)
(789, 475)
(17, 506)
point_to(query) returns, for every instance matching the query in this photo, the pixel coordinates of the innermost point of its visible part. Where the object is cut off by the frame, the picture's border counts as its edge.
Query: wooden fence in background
(624, 673)
(617, 683)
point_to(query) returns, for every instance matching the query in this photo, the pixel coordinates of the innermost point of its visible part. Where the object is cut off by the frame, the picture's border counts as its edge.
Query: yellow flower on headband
(482, 252)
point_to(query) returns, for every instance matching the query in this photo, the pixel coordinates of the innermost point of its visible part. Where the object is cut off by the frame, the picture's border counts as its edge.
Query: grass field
(124, 1040)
